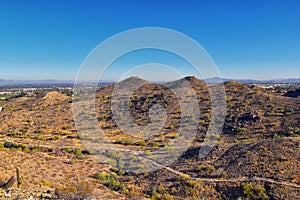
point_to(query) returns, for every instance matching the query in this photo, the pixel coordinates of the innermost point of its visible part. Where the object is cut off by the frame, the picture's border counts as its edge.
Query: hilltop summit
(54, 97)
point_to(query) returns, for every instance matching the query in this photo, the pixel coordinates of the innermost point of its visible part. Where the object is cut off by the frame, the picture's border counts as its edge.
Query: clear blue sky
(49, 39)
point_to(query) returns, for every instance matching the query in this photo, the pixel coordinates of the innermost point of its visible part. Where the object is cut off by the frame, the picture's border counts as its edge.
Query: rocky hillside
(256, 156)
(258, 151)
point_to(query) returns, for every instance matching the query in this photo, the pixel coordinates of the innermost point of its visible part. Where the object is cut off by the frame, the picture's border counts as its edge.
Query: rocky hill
(256, 156)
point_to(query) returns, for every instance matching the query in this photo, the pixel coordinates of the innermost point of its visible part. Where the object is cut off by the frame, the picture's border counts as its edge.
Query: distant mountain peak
(133, 78)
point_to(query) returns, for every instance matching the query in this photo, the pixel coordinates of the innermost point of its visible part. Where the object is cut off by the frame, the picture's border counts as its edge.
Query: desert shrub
(24, 130)
(72, 161)
(38, 131)
(14, 134)
(124, 142)
(155, 144)
(212, 137)
(28, 121)
(201, 121)
(67, 149)
(100, 176)
(168, 197)
(206, 168)
(34, 149)
(114, 169)
(254, 191)
(66, 127)
(77, 151)
(147, 152)
(162, 138)
(242, 130)
(155, 195)
(194, 189)
(111, 181)
(46, 183)
(11, 145)
(113, 155)
(40, 137)
(54, 138)
(142, 143)
(170, 127)
(74, 189)
(62, 133)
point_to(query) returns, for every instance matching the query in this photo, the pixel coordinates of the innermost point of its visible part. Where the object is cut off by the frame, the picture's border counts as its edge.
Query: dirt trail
(242, 179)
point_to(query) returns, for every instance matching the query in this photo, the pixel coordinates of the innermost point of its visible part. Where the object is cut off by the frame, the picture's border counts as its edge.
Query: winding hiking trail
(240, 179)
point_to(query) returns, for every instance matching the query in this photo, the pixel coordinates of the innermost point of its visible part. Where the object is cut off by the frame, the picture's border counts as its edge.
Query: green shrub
(55, 137)
(168, 197)
(67, 149)
(14, 134)
(40, 138)
(242, 130)
(66, 127)
(34, 149)
(206, 168)
(38, 131)
(142, 143)
(111, 181)
(113, 169)
(77, 151)
(125, 142)
(100, 176)
(155, 144)
(201, 121)
(147, 152)
(155, 195)
(11, 145)
(254, 191)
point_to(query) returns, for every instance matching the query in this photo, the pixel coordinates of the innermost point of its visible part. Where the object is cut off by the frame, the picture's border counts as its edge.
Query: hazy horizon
(152, 80)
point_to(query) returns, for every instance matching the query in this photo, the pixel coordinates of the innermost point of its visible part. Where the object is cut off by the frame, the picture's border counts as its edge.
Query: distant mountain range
(6, 82)
(252, 81)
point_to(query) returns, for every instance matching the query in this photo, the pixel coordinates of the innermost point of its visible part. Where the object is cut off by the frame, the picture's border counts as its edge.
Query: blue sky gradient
(247, 39)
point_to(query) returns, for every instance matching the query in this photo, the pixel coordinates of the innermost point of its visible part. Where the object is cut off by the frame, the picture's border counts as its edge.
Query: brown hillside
(258, 151)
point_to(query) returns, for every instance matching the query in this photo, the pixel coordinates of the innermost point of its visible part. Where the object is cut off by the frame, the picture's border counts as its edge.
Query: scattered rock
(250, 116)
(15, 194)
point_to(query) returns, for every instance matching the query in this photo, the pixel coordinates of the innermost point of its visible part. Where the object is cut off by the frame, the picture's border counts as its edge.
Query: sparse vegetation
(253, 144)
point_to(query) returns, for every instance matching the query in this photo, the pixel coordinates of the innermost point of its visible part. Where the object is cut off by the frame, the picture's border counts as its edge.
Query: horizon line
(114, 81)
